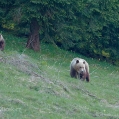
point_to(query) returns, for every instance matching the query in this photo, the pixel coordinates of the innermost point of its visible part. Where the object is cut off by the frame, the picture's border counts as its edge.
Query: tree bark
(33, 40)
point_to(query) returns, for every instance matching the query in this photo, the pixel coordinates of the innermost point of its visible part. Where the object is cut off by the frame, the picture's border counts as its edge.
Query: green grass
(37, 85)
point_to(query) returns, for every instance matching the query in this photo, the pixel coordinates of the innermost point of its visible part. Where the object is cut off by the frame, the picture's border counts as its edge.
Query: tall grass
(38, 85)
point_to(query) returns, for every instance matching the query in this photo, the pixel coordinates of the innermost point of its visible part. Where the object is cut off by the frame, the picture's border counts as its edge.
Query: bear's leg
(1, 45)
(87, 77)
(73, 73)
(77, 75)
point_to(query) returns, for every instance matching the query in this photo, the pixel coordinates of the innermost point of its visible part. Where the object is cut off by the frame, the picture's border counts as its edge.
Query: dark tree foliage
(90, 27)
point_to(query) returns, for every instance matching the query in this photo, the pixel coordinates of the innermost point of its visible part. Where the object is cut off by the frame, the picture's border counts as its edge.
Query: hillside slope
(37, 85)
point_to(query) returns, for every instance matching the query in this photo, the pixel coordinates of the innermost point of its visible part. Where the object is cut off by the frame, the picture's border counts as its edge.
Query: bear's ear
(83, 62)
(77, 61)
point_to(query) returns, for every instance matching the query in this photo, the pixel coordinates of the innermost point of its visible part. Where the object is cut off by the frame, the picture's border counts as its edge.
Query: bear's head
(80, 66)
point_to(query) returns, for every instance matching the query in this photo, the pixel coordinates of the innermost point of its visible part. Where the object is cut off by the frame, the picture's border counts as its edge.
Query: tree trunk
(33, 40)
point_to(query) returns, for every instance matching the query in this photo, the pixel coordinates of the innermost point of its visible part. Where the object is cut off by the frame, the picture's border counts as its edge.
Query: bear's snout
(81, 71)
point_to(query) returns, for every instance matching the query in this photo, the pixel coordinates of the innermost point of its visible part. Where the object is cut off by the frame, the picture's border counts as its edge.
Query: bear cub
(79, 68)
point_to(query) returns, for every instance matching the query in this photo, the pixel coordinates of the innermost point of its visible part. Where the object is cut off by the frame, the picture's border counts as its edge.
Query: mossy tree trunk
(33, 40)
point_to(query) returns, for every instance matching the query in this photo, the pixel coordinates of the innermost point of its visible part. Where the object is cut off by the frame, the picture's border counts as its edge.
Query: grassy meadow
(37, 85)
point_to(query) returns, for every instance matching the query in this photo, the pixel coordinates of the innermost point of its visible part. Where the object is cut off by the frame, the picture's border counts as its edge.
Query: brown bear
(79, 68)
(2, 42)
